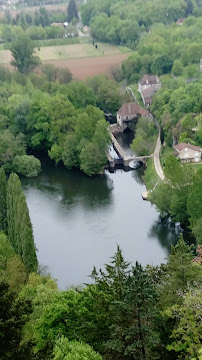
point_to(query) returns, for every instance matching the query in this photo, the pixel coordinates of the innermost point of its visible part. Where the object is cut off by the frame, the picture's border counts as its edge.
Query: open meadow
(83, 60)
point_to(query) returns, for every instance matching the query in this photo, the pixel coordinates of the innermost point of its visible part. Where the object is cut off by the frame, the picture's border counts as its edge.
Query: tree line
(127, 312)
(117, 23)
(180, 196)
(167, 48)
(39, 114)
(37, 25)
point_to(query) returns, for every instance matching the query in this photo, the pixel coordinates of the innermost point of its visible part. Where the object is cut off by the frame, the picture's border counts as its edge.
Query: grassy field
(74, 51)
(78, 51)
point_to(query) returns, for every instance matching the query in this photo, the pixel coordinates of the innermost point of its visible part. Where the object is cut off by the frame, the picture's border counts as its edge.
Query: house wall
(148, 86)
(187, 155)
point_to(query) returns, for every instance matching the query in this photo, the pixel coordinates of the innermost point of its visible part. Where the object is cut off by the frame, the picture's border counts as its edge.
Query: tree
(13, 316)
(22, 50)
(68, 350)
(162, 65)
(197, 230)
(177, 69)
(44, 17)
(59, 317)
(10, 147)
(3, 205)
(132, 309)
(70, 154)
(181, 273)
(92, 159)
(50, 71)
(195, 199)
(19, 225)
(186, 336)
(64, 76)
(72, 11)
(6, 252)
(133, 330)
(27, 165)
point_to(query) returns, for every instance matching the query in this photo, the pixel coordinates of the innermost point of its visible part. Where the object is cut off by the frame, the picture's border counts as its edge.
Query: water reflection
(125, 140)
(166, 232)
(73, 187)
(137, 175)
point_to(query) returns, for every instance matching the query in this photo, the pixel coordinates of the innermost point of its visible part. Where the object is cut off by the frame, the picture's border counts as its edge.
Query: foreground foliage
(128, 312)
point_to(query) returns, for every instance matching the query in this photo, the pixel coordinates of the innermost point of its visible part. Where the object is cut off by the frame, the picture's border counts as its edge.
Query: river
(78, 221)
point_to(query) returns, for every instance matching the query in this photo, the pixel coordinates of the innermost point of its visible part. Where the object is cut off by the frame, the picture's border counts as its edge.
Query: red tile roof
(180, 21)
(132, 109)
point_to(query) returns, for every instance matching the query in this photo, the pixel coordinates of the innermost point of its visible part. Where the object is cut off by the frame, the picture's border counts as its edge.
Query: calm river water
(78, 222)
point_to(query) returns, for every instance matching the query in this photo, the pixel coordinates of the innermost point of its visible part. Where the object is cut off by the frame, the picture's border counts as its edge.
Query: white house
(147, 87)
(188, 152)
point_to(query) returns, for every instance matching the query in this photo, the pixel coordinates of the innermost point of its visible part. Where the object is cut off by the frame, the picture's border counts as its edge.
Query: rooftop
(132, 109)
(149, 80)
(148, 93)
(182, 146)
(180, 21)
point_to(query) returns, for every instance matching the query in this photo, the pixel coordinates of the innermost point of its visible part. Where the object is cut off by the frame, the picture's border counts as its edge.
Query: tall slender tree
(19, 225)
(72, 11)
(3, 206)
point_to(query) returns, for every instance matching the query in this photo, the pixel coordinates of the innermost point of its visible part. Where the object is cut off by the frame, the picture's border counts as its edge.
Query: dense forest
(43, 115)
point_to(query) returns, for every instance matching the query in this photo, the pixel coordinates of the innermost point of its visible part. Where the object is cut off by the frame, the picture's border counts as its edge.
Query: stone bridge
(122, 155)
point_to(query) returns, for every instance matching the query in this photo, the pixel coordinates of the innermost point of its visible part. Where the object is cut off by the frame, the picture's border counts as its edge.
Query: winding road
(157, 163)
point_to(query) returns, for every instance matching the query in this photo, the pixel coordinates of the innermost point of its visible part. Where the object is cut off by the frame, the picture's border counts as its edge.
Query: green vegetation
(180, 195)
(18, 224)
(150, 176)
(127, 312)
(22, 51)
(145, 137)
(54, 116)
(15, 222)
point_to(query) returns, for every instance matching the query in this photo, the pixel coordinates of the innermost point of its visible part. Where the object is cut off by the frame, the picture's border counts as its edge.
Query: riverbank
(79, 220)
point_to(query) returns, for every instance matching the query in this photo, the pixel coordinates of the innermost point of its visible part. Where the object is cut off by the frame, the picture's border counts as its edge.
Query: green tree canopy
(68, 350)
(22, 50)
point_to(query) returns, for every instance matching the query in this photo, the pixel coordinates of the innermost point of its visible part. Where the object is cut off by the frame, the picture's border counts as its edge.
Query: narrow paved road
(157, 162)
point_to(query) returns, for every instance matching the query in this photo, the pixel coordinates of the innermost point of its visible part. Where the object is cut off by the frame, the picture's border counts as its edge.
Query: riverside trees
(56, 119)
(180, 195)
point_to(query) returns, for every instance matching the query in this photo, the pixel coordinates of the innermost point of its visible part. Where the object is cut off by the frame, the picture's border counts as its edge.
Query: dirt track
(88, 67)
